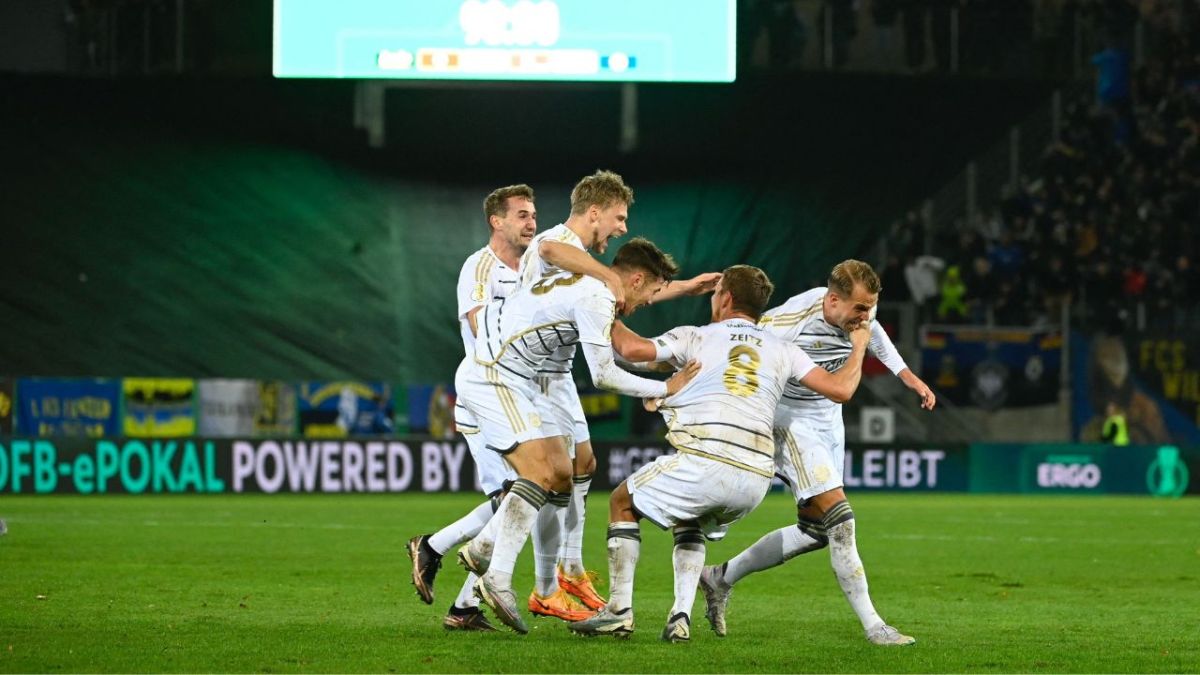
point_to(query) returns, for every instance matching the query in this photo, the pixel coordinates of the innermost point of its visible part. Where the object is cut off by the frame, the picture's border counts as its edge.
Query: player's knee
(585, 466)
(560, 475)
(688, 537)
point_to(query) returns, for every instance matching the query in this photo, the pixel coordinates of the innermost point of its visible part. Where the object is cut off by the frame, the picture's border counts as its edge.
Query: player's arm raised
(578, 261)
(697, 285)
(840, 386)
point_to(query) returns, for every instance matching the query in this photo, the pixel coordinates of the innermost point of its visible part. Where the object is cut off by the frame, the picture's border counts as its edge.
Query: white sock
(773, 548)
(462, 529)
(466, 596)
(514, 520)
(624, 544)
(843, 553)
(688, 559)
(573, 526)
(547, 536)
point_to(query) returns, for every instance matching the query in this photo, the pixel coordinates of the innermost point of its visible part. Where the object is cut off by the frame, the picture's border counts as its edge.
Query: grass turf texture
(321, 583)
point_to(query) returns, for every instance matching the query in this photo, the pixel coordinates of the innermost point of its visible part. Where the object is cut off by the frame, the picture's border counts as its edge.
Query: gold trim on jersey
(794, 451)
(484, 267)
(655, 470)
(717, 458)
(507, 401)
(790, 318)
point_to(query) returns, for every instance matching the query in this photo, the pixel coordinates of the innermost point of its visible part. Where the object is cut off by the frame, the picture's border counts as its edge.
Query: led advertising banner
(564, 40)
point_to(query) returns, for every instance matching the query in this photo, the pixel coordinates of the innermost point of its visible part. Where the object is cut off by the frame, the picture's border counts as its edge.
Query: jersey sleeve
(801, 364)
(472, 289)
(883, 349)
(594, 318)
(676, 346)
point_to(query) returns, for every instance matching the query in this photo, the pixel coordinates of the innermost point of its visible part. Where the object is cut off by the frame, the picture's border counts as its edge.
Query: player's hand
(613, 282)
(928, 399)
(652, 404)
(680, 379)
(858, 332)
(703, 283)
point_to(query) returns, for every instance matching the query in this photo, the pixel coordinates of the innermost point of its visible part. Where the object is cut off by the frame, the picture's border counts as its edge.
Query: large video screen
(566, 40)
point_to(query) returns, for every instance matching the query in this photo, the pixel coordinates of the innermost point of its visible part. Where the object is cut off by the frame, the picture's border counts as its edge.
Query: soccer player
(720, 425)
(488, 274)
(599, 212)
(810, 446)
(516, 338)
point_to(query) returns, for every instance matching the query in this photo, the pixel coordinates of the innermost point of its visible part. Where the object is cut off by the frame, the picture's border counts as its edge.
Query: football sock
(572, 546)
(847, 566)
(466, 595)
(462, 529)
(513, 521)
(688, 559)
(547, 537)
(624, 544)
(773, 548)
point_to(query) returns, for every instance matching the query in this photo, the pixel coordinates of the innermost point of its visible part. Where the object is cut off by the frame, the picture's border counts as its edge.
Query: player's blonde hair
(850, 272)
(640, 253)
(496, 203)
(602, 189)
(749, 287)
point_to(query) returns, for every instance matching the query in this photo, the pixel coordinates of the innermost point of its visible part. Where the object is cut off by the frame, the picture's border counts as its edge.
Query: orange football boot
(582, 588)
(559, 605)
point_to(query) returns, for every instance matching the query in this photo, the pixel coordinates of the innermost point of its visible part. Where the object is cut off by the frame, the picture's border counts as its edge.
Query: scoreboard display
(547, 40)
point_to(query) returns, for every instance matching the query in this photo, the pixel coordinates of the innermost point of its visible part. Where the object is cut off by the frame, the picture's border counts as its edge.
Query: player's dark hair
(640, 253)
(602, 189)
(850, 272)
(496, 204)
(750, 289)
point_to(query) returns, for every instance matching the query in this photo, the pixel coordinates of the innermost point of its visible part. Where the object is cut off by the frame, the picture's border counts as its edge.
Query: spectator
(953, 306)
(1116, 431)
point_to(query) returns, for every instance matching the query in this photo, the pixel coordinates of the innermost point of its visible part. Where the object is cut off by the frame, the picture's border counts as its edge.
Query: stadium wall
(241, 228)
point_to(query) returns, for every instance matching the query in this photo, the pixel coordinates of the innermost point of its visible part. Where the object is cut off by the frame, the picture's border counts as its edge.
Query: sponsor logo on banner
(345, 408)
(1072, 472)
(895, 469)
(1167, 475)
(68, 407)
(43, 466)
(159, 407)
(349, 466)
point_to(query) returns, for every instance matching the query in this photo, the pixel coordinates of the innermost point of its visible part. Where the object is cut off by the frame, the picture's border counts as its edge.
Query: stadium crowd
(1108, 221)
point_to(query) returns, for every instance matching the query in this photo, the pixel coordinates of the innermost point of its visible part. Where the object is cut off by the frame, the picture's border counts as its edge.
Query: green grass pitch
(321, 583)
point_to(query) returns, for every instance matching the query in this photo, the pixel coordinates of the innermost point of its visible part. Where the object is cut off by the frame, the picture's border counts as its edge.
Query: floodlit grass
(321, 583)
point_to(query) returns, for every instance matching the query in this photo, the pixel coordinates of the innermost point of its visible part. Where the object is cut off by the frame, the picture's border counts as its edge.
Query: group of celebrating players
(754, 394)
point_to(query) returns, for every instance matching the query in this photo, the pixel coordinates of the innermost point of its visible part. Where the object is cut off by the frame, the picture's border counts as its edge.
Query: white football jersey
(520, 333)
(801, 322)
(535, 268)
(482, 279)
(726, 412)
